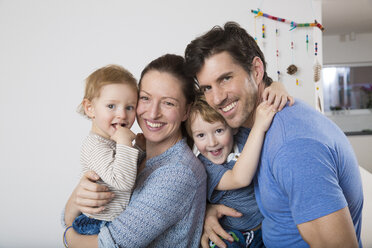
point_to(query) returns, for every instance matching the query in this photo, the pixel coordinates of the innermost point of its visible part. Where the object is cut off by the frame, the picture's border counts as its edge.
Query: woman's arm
(88, 197)
(162, 200)
(245, 167)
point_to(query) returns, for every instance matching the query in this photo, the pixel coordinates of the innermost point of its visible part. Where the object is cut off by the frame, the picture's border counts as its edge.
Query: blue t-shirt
(308, 170)
(243, 199)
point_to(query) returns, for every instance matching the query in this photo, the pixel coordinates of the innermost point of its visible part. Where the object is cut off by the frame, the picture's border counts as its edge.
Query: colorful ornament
(307, 43)
(292, 69)
(317, 67)
(277, 52)
(293, 24)
(263, 31)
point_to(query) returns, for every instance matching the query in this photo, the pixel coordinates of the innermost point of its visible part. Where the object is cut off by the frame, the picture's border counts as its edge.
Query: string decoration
(292, 69)
(277, 52)
(297, 82)
(293, 24)
(307, 43)
(317, 67)
(263, 31)
(255, 29)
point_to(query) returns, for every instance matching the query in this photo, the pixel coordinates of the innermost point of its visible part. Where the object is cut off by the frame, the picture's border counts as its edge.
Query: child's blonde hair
(200, 106)
(110, 74)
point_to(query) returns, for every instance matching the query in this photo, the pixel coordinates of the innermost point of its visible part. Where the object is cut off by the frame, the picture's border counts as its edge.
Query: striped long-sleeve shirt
(116, 165)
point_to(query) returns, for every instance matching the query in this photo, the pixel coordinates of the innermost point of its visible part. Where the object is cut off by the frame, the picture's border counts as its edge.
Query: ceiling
(346, 16)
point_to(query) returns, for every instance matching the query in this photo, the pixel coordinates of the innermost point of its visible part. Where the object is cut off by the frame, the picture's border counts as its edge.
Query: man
(308, 185)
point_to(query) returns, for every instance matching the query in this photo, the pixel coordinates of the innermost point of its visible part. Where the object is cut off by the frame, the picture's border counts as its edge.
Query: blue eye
(227, 78)
(206, 88)
(169, 104)
(129, 108)
(111, 106)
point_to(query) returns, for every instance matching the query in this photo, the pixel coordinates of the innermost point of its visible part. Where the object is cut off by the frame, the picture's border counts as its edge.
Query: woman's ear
(88, 108)
(187, 112)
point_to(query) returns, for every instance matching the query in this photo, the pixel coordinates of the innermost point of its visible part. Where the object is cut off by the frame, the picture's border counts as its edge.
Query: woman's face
(161, 108)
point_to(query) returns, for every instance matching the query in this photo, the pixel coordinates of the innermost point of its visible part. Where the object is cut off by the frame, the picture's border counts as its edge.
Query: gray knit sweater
(167, 206)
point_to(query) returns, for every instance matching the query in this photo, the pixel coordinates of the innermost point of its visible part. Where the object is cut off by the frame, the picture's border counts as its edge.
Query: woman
(168, 204)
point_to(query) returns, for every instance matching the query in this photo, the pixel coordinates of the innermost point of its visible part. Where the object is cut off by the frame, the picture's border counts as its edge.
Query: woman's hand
(277, 95)
(88, 197)
(212, 228)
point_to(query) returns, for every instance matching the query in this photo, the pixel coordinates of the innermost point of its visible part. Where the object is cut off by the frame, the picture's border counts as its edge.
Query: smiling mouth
(229, 107)
(216, 152)
(154, 125)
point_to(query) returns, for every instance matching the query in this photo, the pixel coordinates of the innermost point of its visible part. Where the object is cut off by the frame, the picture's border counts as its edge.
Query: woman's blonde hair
(110, 74)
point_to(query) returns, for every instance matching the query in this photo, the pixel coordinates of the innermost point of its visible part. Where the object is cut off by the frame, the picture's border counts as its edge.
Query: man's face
(228, 89)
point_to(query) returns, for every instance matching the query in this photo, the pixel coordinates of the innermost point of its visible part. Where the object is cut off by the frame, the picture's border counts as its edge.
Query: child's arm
(119, 170)
(277, 95)
(245, 167)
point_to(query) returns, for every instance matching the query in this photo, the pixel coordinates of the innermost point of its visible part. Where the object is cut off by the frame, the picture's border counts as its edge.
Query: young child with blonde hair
(231, 163)
(110, 102)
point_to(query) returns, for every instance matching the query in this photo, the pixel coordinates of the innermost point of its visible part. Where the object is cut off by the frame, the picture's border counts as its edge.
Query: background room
(48, 48)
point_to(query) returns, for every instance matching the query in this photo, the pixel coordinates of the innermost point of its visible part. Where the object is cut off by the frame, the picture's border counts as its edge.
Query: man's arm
(333, 230)
(306, 171)
(212, 228)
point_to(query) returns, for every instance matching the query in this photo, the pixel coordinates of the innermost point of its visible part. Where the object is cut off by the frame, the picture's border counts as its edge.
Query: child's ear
(88, 108)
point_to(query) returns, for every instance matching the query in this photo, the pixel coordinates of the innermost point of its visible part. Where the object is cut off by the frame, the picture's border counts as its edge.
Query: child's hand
(123, 136)
(264, 116)
(277, 95)
(141, 141)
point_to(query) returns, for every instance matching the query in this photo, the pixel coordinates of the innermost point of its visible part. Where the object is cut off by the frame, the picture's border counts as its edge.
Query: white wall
(341, 50)
(48, 47)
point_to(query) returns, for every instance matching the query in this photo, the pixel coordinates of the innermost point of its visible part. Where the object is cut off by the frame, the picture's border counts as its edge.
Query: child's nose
(212, 141)
(120, 113)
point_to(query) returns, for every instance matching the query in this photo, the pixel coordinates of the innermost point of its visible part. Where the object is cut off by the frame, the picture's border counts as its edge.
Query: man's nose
(219, 96)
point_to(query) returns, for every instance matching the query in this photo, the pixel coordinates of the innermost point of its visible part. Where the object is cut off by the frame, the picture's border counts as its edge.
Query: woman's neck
(154, 149)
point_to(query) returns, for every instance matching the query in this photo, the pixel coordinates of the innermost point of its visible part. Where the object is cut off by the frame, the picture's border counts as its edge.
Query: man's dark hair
(232, 39)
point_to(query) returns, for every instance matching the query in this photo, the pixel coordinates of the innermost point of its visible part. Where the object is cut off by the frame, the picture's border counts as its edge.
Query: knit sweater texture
(167, 206)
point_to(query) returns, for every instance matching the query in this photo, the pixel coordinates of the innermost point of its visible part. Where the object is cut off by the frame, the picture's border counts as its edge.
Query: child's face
(116, 105)
(213, 140)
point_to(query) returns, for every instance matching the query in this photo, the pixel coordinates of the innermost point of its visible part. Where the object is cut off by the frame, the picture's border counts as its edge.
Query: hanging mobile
(277, 52)
(307, 43)
(292, 69)
(317, 67)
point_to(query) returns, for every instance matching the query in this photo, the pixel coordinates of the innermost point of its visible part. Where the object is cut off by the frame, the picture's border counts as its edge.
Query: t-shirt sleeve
(165, 199)
(215, 173)
(306, 172)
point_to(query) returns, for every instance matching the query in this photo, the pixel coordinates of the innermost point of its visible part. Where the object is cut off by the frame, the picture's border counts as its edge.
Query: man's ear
(257, 70)
(234, 130)
(88, 108)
